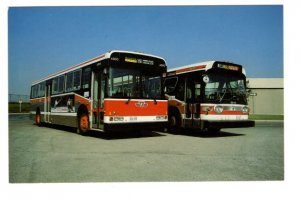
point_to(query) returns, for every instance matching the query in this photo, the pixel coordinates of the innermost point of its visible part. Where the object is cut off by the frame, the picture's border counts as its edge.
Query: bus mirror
(205, 79)
(105, 71)
(169, 89)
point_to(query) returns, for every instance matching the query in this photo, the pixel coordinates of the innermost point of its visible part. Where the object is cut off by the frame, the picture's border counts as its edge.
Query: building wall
(267, 96)
(266, 101)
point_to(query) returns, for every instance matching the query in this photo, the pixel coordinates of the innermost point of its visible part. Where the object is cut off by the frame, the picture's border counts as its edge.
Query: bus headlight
(218, 109)
(245, 109)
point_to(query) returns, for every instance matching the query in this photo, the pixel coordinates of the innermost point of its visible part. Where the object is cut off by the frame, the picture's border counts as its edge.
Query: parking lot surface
(56, 154)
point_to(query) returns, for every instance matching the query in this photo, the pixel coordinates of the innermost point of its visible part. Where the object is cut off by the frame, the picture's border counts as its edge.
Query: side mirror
(105, 71)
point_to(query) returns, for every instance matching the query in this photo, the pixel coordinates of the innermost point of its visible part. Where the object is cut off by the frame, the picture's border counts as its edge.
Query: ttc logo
(141, 104)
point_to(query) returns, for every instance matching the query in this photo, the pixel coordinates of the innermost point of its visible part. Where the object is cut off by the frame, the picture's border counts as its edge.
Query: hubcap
(84, 122)
(173, 121)
(38, 119)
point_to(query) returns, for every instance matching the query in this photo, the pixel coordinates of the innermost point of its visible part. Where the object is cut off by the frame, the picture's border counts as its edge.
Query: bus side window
(180, 89)
(77, 79)
(55, 86)
(61, 83)
(69, 82)
(42, 89)
(34, 91)
(189, 92)
(197, 91)
(86, 78)
(170, 84)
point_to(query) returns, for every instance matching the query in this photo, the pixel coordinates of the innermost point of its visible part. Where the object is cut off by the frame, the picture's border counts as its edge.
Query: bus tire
(174, 125)
(83, 123)
(38, 118)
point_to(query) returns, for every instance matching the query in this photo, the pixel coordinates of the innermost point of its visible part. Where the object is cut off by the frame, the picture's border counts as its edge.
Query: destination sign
(139, 61)
(228, 67)
(132, 60)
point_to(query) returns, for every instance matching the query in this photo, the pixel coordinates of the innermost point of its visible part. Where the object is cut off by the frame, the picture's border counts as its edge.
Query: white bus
(208, 96)
(116, 90)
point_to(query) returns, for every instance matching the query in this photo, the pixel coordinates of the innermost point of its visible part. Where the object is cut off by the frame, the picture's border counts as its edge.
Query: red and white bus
(116, 90)
(208, 96)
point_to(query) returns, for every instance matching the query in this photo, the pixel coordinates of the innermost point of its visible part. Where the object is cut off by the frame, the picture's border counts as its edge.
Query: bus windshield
(225, 88)
(134, 83)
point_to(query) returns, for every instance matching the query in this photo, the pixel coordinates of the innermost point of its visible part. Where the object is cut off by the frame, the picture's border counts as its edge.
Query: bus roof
(197, 67)
(91, 61)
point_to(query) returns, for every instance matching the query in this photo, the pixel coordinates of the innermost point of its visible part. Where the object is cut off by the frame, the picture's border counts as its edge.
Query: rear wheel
(83, 123)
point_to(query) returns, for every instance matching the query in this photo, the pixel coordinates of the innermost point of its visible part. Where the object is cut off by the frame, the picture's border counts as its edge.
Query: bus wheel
(174, 122)
(38, 118)
(83, 123)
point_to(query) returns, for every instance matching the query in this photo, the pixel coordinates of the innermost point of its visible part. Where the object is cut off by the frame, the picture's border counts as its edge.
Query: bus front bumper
(154, 126)
(228, 124)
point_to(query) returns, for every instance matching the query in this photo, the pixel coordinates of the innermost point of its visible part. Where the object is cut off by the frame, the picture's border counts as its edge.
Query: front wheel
(174, 122)
(83, 123)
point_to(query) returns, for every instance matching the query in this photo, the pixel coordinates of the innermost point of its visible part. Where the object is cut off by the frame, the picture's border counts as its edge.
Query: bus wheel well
(173, 110)
(83, 120)
(82, 109)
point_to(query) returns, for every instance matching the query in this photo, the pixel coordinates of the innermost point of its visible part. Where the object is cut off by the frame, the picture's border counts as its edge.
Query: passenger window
(58, 84)
(42, 89)
(197, 92)
(180, 90)
(69, 82)
(34, 91)
(77, 77)
(61, 83)
(170, 84)
(86, 78)
(55, 86)
(73, 81)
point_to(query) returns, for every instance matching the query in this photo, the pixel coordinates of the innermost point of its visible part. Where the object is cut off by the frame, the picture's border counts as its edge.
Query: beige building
(266, 96)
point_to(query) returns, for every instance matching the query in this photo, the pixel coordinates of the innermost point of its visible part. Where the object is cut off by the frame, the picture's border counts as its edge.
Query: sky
(44, 40)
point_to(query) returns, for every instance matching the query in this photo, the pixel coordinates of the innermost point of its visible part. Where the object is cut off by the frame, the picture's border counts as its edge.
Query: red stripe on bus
(190, 69)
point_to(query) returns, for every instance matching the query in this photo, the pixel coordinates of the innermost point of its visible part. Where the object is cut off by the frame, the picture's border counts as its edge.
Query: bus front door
(98, 99)
(196, 105)
(192, 108)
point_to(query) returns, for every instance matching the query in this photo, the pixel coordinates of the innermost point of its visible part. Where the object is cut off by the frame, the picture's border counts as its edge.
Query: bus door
(98, 85)
(47, 104)
(192, 109)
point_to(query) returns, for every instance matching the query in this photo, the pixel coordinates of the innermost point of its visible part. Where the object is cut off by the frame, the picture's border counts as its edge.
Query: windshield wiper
(129, 98)
(155, 102)
(221, 98)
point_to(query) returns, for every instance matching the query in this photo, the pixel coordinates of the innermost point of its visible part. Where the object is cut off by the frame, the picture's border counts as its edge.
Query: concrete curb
(269, 122)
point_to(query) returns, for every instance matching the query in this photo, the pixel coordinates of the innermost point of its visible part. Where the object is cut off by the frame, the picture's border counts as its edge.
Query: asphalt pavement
(56, 154)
